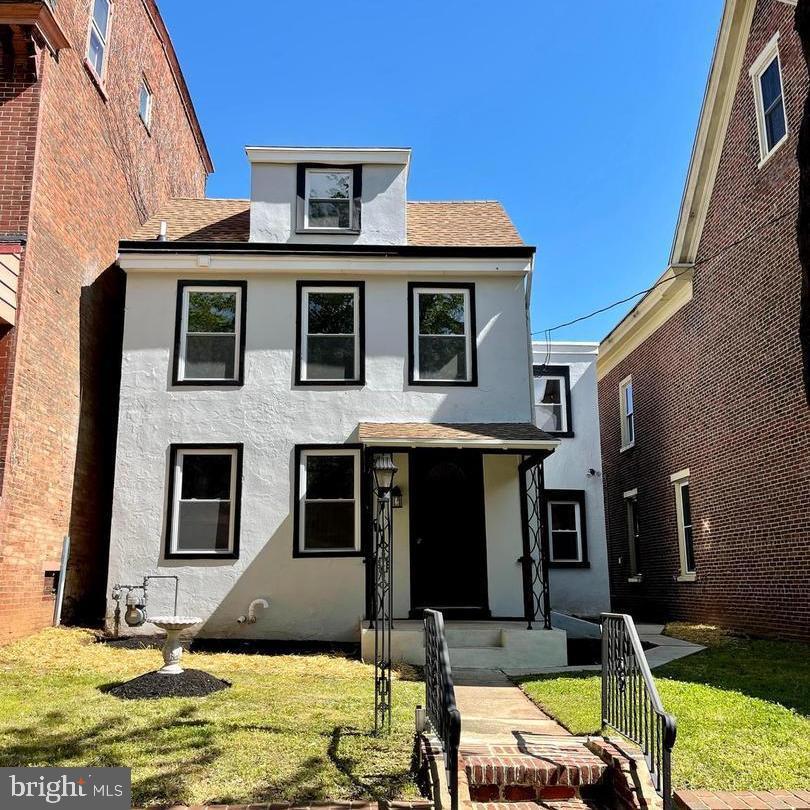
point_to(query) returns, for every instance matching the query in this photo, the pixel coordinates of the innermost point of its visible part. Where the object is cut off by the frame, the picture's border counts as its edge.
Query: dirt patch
(152, 685)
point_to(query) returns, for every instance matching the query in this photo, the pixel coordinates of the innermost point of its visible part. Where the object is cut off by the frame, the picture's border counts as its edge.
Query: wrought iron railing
(536, 598)
(440, 698)
(631, 704)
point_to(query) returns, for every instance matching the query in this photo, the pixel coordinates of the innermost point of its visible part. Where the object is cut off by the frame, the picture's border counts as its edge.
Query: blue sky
(578, 116)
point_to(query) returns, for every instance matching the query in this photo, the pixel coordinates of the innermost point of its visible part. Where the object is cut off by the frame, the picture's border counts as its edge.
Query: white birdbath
(173, 649)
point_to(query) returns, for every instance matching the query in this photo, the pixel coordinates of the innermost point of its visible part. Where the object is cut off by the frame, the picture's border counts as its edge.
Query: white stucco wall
(580, 591)
(273, 206)
(309, 598)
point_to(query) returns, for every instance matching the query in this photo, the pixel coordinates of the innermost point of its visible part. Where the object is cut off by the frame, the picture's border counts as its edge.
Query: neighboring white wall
(309, 598)
(273, 206)
(581, 591)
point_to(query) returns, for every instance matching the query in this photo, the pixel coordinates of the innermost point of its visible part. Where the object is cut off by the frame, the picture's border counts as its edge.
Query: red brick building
(704, 413)
(97, 130)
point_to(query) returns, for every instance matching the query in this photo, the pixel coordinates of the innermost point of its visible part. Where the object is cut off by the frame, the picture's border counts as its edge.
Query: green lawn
(742, 706)
(291, 727)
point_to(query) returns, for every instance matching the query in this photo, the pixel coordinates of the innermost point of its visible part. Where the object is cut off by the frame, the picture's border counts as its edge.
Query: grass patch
(742, 706)
(292, 727)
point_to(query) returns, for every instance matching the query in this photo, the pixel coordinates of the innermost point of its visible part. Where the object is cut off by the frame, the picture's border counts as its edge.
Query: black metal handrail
(631, 704)
(440, 698)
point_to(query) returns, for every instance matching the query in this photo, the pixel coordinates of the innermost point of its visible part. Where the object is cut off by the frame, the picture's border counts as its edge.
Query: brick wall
(719, 389)
(99, 174)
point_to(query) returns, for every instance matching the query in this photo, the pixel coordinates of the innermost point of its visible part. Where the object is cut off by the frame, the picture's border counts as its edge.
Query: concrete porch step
(562, 804)
(476, 657)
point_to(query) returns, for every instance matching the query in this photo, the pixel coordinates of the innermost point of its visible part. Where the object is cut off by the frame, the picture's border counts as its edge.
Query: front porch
(464, 533)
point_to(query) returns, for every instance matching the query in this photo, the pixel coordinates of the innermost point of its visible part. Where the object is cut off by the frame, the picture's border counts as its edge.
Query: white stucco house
(273, 349)
(566, 407)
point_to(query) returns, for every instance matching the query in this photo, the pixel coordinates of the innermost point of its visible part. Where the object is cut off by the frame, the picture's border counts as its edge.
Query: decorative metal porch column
(383, 470)
(535, 543)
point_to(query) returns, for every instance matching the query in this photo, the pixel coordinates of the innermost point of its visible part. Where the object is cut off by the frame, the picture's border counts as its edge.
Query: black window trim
(182, 284)
(361, 494)
(572, 496)
(357, 194)
(168, 553)
(300, 286)
(545, 370)
(439, 285)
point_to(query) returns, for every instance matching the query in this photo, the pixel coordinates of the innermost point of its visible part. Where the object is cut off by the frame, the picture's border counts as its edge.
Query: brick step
(570, 804)
(541, 769)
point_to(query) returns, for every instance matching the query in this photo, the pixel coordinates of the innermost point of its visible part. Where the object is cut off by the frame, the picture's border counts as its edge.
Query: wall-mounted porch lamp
(384, 472)
(396, 498)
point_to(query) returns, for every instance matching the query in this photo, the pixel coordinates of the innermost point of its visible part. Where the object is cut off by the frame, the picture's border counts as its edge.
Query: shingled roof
(478, 434)
(467, 223)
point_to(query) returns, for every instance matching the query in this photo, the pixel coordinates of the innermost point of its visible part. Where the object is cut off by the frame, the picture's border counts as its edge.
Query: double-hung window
(145, 103)
(204, 501)
(766, 74)
(628, 426)
(99, 36)
(683, 509)
(329, 198)
(633, 532)
(442, 334)
(210, 333)
(567, 535)
(330, 334)
(552, 389)
(327, 513)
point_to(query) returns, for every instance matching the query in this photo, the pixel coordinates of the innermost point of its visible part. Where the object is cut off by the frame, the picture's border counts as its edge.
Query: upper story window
(330, 334)
(627, 413)
(327, 507)
(329, 198)
(99, 36)
(210, 333)
(442, 334)
(633, 532)
(568, 545)
(766, 74)
(204, 501)
(683, 509)
(145, 104)
(553, 399)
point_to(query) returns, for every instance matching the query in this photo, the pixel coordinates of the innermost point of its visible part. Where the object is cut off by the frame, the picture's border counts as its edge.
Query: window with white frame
(633, 532)
(442, 327)
(566, 527)
(766, 73)
(553, 399)
(328, 199)
(210, 341)
(145, 104)
(328, 502)
(98, 36)
(330, 324)
(204, 501)
(683, 508)
(627, 413)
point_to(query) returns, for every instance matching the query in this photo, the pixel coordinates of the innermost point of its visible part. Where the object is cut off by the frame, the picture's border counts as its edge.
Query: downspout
(802, 25)
(528, 288)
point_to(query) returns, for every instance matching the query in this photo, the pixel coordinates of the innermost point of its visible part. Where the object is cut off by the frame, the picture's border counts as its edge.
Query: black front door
(448, 537)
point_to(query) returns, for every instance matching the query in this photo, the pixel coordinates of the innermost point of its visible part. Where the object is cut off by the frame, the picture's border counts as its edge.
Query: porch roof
(493, 435)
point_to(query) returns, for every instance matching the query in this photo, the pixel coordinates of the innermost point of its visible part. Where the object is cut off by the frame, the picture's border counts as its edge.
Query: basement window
(205, 494)
(330, 334)
(210, 333)
(98, 36)
(327, 514)
(766, 73)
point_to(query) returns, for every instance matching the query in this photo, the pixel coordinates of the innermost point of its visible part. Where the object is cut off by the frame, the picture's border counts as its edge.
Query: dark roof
(473, 433)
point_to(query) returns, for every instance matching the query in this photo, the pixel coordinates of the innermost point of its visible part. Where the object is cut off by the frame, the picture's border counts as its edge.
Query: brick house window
(627, 412)
(330, 339)
(327, 505)
(553, 400)
(633, 533)
(683, 509)
(210, 333)
(204, 501)
(766, 73)
(441, 325)
(99, 36)
(567, 528)
(145, 104)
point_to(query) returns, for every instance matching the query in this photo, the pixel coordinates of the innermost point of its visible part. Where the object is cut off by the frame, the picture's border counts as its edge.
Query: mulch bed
(152, 685)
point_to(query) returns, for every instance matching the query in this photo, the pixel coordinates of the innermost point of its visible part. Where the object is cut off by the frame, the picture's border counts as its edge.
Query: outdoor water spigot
(136, 610)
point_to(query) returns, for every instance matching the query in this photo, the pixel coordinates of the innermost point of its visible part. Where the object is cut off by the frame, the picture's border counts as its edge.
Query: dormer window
(329, 199)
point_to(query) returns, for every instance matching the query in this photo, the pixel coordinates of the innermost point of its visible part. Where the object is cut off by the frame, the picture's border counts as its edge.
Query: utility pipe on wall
(60, 586)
